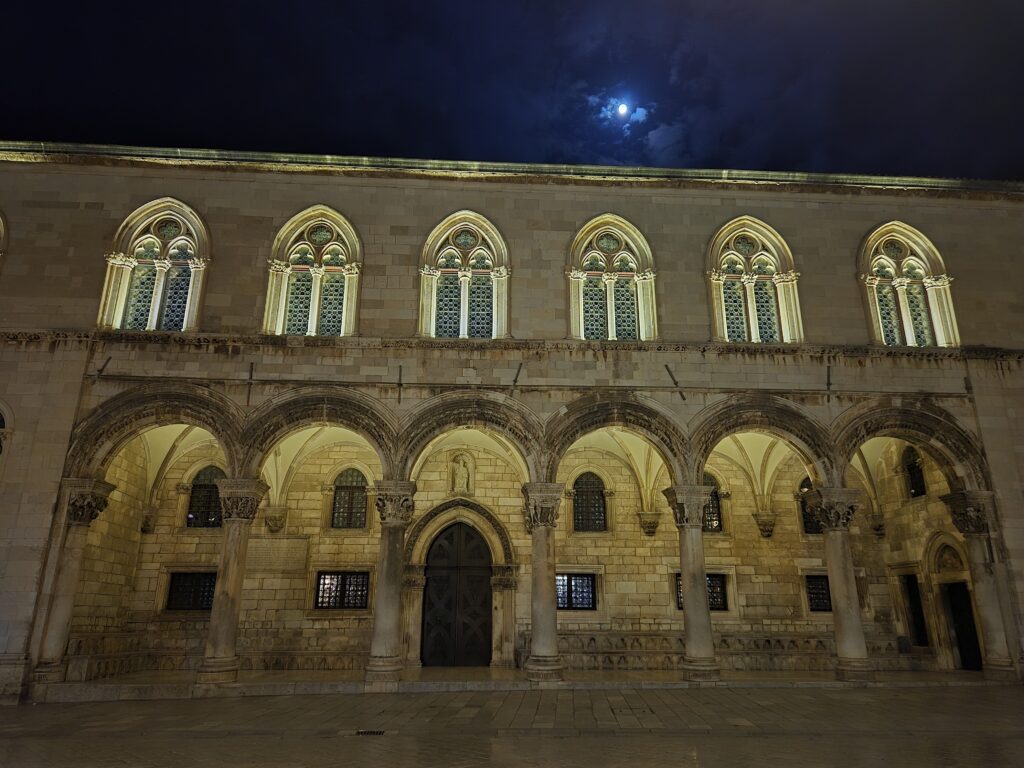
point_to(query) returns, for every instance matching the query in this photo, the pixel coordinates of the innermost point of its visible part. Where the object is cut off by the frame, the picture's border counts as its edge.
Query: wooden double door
(457, 600)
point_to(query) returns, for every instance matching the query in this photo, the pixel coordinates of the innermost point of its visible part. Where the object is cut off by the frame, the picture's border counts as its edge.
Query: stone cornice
(591, 175)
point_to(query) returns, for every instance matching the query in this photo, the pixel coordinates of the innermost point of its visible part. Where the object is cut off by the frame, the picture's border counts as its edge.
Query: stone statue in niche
(949, 559)
(461, 476)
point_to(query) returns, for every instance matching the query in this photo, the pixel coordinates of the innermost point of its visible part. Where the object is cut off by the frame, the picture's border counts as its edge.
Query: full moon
(623, 109)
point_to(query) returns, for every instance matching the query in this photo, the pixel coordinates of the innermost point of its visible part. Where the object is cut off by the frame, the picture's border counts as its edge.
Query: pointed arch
(906, 288)
(611, 282)
(753, 284)
(464, 279)
(422, 533)
(313, 279)
(156, 269)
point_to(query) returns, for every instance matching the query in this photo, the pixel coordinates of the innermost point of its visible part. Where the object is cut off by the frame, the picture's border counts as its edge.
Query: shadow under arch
(282, 415)
(98, 437)
(490, 410)
(924, 425)
(423, 531)
(769, 414)
(594, 412)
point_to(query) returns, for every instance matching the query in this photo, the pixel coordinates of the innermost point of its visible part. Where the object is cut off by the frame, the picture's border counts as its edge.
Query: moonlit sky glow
(915, 87)
(623, 109)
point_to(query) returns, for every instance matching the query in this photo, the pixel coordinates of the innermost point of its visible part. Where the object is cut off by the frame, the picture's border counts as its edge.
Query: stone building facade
(308, 413)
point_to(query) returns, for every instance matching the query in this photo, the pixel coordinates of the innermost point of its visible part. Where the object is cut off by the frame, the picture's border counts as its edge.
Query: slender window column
(499, 302)
(277, 297)
(239, 500)
(576, 278)
(314, 300)
(687, 503)
(395, 507)
(348, 310)
(835, 508)
(195, 292)
(84, 500)
(119, 274)
(900, 284)
(647, 316)
(162, 266)
(413, 583)
(718, 303)
(790, 320)
(940, 306)
(748, 287)
(609, 278)
(542, 500)
(969, 510)
(465, 276)
(428, 300)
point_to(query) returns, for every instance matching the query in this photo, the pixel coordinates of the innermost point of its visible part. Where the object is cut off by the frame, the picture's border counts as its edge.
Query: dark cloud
(900, 87)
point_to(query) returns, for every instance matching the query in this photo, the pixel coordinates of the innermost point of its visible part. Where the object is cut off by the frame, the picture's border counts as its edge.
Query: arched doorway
(457, 600)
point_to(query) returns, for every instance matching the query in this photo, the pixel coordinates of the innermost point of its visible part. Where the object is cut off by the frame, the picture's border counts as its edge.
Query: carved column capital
(834, 507)
(120, 260)
(541, 504)
(969, 510)
(687, 503)
(937, 281)
(86, 499)
(429, 271)
(240, 498)
(197, 264)
(395, 502)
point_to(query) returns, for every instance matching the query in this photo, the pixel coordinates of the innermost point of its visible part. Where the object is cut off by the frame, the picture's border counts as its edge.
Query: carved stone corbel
(649, 522)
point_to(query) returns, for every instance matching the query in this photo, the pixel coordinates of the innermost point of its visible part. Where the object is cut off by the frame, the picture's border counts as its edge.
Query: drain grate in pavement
(369, 733)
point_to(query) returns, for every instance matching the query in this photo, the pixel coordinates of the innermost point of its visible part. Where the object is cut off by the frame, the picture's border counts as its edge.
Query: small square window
(576, 591)
(191, 591)
(717, 596)
(819, 599)
(342, 589)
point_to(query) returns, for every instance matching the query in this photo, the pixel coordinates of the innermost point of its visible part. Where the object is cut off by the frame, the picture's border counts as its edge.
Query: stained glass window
(446, 324)
(624, 294)
(819, 599)
(349, 509)
(888, 314)
(140, 297)
(342, 589)
(735, 301)
(595, 309)
(191, 591)
(713, 509)
(481, 300)
(332, 304)
(810, 520)
(576, 591)
(913, 467)
(300, 292)
(588, 504)
(204, 499)
(717, 596)
(176, 298)
(767, 311)
(917, 303)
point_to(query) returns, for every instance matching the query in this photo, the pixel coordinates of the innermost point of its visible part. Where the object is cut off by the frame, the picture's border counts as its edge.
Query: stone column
(748, 287)
(195, 293)
(465, 277)
(313, 320)
(608, 279)
(835, 508)
(428, 300)
(969, 510)
(503, 598)
(156, 303)
(687, 503)
(85, 499)
(413, 583)
(576, 278)
(499, 302)
(647, 317)
(351, 300)
(395, 507)
(542, 500)
(239, 500)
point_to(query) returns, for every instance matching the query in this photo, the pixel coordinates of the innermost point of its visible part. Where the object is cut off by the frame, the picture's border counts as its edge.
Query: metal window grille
(917, 303)
(595, 309)
(735, 302)
(914, 468)
(191, 591)
(717, 595)
(576, 591)
(713, 509)
(588, 504)
(204, 500)
(446, 324)
(480, 324)
(810, 520)
(819, 599)
(888, 314)
(349, 509)
(175, 298)
(300, 292)
(140, 297)
(767, 311)
(332, 304)
(624, 294)
(342, 589)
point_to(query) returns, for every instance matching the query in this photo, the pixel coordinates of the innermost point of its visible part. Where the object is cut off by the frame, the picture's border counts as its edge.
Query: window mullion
(162, 267)
(609, 278)
(753, 331)
(465, 276)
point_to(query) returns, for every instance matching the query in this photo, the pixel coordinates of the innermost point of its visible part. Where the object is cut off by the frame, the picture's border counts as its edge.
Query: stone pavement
(947, 726)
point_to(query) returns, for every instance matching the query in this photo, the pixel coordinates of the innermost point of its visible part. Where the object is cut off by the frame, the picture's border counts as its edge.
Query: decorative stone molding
(503, 578)
(649, 522)
(86, 499)
(415, 577)
(507, 551)
(765, 523)
(395, 502)
(834, 507)
(687, 503)
(541, 504)
(240, 498)
(969, 510)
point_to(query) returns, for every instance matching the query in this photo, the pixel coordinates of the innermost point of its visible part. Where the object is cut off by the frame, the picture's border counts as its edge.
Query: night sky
(902, 87)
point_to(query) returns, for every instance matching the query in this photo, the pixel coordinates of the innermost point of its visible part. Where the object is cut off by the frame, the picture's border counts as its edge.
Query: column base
(50, 672)
(542, 669)
(1000, 672)
(383, 670)
(854, 671)
(223, 670)
(701, 670)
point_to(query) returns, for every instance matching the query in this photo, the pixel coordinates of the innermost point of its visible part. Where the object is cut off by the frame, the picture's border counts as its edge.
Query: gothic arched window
(155, 273)
(908, 294)
(611, 283)
(314, 276)
(753, 285)
(810, 521)
(464, 280)
(913, 468)
(713, 509)
(589, 512)
(349, 506)
(204, 499)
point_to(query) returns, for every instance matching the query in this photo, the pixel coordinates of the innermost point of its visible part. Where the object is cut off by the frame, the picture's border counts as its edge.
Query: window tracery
(754, 285)
(908, 292)
(314, 274)
(464, 280)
